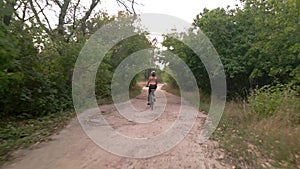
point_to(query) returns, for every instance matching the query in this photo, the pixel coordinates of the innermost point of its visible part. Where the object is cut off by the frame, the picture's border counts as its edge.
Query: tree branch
(87, 15)
(127, 7)
(24, 11)
(58, 3)
(132, 7)
(36, 14)
(74, 14)
(24, 14)
(42, 11)
(19, 5)
(121, 2)
(62, 15)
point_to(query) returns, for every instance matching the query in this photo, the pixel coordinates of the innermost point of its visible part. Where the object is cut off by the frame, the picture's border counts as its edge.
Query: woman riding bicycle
(152, 83)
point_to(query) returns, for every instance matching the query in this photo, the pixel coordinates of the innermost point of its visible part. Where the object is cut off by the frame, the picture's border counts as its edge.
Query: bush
(268, 100)
(264, 131)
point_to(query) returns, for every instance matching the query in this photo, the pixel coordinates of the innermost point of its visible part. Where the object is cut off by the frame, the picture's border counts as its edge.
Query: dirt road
(71, 148)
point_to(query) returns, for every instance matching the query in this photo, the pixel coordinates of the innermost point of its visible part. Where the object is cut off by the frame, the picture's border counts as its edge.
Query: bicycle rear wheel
(151, 99)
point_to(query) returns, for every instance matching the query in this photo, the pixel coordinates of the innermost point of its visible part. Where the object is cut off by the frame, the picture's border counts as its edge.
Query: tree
(258, 45)
(37, 57)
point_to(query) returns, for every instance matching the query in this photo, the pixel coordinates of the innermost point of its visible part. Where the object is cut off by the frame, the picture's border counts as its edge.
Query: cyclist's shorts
(152, 86)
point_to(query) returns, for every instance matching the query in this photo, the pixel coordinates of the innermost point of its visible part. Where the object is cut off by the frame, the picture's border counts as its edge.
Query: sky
(183, 9)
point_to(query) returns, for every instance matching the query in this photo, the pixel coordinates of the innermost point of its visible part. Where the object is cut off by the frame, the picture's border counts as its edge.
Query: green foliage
(15, 133)
(259, 48)
(167, 78)
(268, 100)
(27, 86)
(111, 61)
(36, 78)
(231, 40)
(180, 49)
(265, 131)
(257, 45)
(36, 70)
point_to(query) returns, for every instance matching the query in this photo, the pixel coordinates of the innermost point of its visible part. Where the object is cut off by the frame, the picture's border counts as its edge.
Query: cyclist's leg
(151, 87)
(149, 91)
(154, 87)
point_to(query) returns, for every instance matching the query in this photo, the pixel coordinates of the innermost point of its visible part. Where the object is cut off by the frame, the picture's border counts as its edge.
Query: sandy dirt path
(71, 148)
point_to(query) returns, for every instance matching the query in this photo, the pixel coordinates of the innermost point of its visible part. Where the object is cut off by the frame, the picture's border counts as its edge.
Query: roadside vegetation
(259, 47)
(17, 133)
(263, 133)
(37, 62)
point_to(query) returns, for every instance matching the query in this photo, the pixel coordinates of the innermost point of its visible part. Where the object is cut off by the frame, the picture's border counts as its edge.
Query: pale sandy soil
(71, 148)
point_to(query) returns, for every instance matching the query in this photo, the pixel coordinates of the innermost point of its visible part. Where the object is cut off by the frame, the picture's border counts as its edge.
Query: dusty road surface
(71, 148)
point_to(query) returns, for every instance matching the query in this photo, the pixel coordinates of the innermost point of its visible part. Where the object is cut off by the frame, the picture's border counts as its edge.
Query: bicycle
(151, 98)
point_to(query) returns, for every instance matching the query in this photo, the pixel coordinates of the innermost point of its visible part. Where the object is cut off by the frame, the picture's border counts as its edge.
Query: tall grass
(265, 131)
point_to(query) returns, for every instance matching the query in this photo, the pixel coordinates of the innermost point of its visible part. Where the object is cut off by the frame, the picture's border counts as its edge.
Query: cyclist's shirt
(152, 80)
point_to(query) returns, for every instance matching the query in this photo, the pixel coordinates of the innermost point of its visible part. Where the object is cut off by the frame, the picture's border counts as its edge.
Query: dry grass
(261, 142)
(256, 140)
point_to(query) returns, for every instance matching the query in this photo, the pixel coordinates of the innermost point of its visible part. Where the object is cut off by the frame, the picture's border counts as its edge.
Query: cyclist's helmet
(153, 73)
